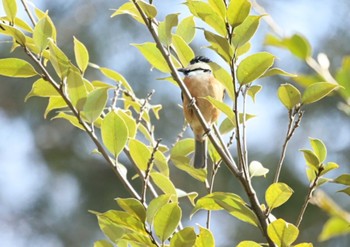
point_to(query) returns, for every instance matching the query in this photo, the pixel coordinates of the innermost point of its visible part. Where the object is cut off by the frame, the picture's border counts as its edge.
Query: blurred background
(49, 179)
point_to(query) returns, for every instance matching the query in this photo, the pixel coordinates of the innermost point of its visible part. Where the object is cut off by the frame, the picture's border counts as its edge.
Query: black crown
(200, 59)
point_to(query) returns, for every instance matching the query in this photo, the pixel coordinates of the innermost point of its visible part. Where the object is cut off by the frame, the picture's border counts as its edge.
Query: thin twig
(25, 6)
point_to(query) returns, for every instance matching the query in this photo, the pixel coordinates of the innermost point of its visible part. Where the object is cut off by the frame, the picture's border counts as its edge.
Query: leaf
(140, 154)
(237, 12)
(329, 167)
(10, 8)
(59, 60)
(184, 238)
(18, 36)
(282, 233)
(186, 29)
(253, 91)
(254, 66)
(76, 89)
(207, 14)
(81, 55)
(346, 191)
(343, 77)
(225, 78)
(256, 169)
(153, 56)
(165, 27)
(304, 245)
(343, 179)
(114, 133)
(299, 46)
(14, 67)
(54, 103)
(149, 9)
(289, 96)
(155, 205)
(133, 206)
(71, 118)
(42, 88)
(114, 75)
(277, 194)
(205, 238)
(247, 243)
(164, 184)
(129, 121)
(41, 34)
(219, 7)
(220, 45)
(278, 71)
(223, 108)
(319, 148)
(183, 50)
(334, 227)
(244, 32)
(102, 243)
(166, 220)
(129, 9)
(311, 159)
(317, 91)
(95, 104)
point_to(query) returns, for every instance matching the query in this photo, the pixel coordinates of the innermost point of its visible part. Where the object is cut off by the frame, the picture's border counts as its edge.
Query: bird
(200, 81)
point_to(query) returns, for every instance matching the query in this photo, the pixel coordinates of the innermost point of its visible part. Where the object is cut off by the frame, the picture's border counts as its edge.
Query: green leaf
(155, 205)
(343, 77)
(237, 12)
(140, 154)
(183, 50)
(334, 227)
(225, 78)
(220, 45)
(289, 96)
(14, 67)
(149, 9)
(247, 243)
(304, 245)
(253, 91)
(311, 159)
(179, 157)
(71, 118)
(346, 191)
(343, 179)
(184, 238)
(244, 32)
(129, 121)
(223, 108)
(76, 89)
(207, 14)
(129, 9)
(42, 88)
(161, 163)
(164, 184)
(153, 56)
(41, 34)
(102, 243)
(133, 206)
(114, 75)
(219, 7)
(282, 233)
(114, 133)
(166, 220)
(205, 238)
(317, 91)
(278, 71)
(319, 148)
(329, 167)
(299, 46)
(256, 169)
(81, 55)
(95, 104)
(186, 29)
(18, 36)
(54, 103)
(59, 60)
(254, 66)
(110, 229)
(165, 27)
(277, 194)
(10, 8)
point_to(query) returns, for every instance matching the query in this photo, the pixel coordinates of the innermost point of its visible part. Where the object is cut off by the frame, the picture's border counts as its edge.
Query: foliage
(119, 122)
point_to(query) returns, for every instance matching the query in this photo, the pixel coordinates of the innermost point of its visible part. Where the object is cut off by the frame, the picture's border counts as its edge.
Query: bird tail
(200, 154)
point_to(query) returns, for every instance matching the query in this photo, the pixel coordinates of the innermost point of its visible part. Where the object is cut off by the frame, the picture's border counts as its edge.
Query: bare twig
(25, 6)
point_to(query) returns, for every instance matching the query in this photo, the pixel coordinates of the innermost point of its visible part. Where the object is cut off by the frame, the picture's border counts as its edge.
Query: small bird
(200, 82)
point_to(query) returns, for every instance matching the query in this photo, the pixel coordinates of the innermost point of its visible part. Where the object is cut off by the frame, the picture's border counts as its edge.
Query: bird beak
(183, 70)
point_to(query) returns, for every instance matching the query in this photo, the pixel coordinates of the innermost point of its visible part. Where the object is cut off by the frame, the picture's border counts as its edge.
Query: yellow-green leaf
(223, 108)
(220, 45)
(81, 55)
(140, 154)
(334, 227)
(71, 118)
(317, 91)
(319, 148)
(311, 159)
(254, 66)
(237, 12)
(10, 8)
(114, 133)
(225, 78)
(129, 9)
(289, 95)
(282, 233)
(186, 29)
(102, 243)
(155, 205)
(247, 243)
(166, 220)
(132, 206)
(14, 67)
(253, 91)
(343, 179)
(148, 9)
(42, 88)
(277, 194)
(59, 60)
(76, 88)
(16, 34)
(95, 104)
(54, 103)
(165, 184)
(165, 27)
(205, 238)
(183, 50)
(129, 121)
(277, 71)
(244, 32)
(114, 75)
(219, 7)
(41, 34)
(184, 238)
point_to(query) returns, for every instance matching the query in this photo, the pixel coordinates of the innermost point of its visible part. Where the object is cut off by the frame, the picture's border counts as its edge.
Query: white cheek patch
(197, 73)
